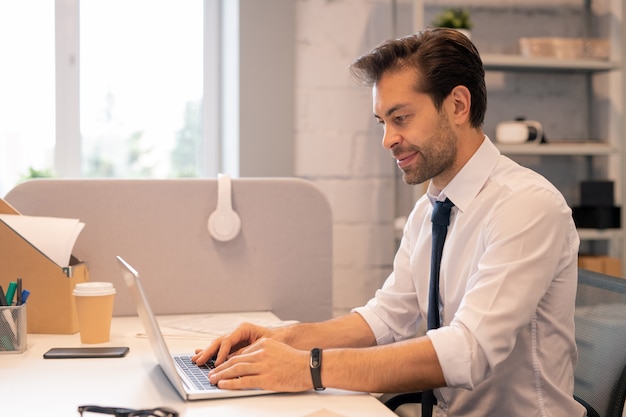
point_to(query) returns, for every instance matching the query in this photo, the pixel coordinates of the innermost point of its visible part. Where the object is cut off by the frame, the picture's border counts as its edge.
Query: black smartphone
(86, 352)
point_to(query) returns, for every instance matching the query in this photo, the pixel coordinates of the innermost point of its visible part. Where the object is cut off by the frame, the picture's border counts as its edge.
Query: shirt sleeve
(462, 361)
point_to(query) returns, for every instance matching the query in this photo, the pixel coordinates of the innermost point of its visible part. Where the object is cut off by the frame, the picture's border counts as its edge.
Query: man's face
(419, 137)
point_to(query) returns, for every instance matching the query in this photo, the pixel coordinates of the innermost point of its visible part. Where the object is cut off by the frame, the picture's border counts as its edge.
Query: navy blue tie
(440, 220)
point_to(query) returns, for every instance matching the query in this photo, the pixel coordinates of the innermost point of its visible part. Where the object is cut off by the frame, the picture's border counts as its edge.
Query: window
(143, 88)
(141, 83)
(27, 120)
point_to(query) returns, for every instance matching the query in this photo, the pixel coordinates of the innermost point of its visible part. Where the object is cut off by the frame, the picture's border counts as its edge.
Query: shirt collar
(468, 182)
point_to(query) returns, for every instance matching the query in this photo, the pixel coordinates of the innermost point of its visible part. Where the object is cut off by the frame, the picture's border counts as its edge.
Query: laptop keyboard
(196, 374)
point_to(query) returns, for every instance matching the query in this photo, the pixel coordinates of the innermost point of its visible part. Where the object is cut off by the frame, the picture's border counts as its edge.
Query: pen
(9, 340)
(18, 293)
(25, 294)
(3, 299)
(11, 292)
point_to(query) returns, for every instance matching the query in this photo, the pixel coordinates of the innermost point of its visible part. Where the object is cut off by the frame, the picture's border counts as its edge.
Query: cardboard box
(604, 264)
(51, 306)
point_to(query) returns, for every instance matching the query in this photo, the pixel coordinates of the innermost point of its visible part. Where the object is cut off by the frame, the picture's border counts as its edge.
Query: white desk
(31, 385)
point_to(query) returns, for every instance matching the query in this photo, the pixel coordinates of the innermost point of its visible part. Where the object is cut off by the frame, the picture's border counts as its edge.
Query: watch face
(315, 358)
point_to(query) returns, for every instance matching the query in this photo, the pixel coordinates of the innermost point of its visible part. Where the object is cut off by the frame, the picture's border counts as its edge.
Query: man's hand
(231, 344)
(266, 364)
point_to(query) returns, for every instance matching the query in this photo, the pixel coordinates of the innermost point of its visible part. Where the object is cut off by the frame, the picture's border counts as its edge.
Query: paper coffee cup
(94, 305)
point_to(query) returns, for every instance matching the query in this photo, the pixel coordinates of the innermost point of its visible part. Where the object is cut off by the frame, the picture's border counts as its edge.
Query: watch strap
(315, 364)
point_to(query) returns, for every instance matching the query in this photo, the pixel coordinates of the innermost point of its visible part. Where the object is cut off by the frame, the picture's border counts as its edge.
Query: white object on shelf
(565, 48)
(519, 131)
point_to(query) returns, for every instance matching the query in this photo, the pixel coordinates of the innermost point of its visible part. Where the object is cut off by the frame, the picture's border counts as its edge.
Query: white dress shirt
(507, 292)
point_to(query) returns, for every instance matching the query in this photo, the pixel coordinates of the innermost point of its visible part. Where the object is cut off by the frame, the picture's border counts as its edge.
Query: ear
(462, 99)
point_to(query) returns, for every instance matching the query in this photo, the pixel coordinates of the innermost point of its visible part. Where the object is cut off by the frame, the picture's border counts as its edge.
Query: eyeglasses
(89, 410)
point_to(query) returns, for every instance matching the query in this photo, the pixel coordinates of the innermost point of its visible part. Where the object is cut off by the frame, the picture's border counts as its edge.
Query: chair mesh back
(601, 338)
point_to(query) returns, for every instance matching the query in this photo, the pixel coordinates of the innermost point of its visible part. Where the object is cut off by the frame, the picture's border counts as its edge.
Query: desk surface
(33, 386)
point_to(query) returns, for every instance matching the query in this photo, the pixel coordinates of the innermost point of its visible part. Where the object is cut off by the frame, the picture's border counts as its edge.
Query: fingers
(228, 345)
(266, 364)
(231, 371)
(218, 349)
(239, 371)
(246, 382)
(202, 356)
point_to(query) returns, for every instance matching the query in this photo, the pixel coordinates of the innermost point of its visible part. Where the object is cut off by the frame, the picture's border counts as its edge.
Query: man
(508, 274)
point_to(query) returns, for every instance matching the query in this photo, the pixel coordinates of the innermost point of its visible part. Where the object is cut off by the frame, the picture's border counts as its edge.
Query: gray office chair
(600, 377)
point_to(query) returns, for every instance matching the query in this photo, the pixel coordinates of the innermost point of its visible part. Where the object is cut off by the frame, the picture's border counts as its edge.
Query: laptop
(188, 379)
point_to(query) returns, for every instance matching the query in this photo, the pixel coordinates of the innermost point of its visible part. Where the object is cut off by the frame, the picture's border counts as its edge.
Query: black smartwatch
(315, 363)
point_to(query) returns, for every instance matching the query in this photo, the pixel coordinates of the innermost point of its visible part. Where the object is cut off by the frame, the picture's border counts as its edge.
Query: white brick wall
(338, 144)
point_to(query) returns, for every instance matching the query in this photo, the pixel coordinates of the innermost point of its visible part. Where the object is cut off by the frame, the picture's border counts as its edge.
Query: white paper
(53, 236)
(216, 325)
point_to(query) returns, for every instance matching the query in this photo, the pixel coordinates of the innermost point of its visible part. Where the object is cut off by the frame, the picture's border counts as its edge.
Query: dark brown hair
(442, 59)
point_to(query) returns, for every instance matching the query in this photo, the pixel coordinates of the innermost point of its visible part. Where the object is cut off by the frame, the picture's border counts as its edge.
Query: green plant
(456, 18)
(37, 173)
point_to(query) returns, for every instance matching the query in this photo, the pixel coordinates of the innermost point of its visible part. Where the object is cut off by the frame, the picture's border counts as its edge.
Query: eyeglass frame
(128, 412)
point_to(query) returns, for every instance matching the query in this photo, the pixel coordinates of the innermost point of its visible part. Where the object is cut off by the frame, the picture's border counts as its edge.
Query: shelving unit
(600, 142)
(609, 147)
(583, 149)
(501, 62)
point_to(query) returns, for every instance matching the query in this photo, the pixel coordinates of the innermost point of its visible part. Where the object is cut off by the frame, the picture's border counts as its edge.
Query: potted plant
(455, 18)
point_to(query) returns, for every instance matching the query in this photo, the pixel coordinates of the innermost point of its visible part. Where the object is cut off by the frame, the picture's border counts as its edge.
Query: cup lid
(94, 288)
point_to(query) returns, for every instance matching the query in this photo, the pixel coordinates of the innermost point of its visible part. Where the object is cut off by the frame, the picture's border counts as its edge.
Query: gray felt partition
(281, 261)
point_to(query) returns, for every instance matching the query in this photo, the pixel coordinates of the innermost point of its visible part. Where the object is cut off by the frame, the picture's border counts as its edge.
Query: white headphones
(224, 223)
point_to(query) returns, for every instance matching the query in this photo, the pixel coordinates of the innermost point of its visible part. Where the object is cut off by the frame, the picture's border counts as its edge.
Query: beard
(434, 157)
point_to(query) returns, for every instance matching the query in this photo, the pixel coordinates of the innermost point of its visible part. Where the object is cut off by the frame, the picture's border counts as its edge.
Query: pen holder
(13, 329)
